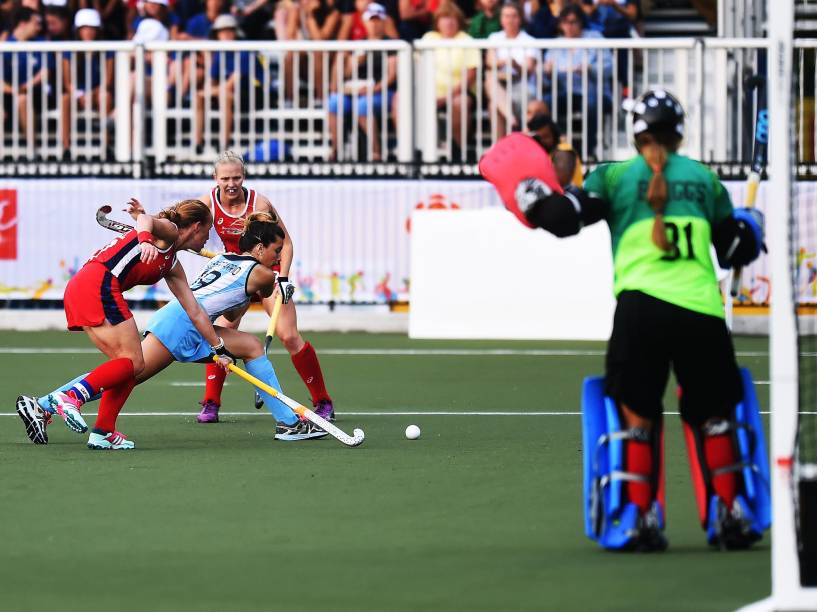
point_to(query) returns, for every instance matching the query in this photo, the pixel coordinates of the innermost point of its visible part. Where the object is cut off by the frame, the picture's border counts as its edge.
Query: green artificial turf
(481, 513)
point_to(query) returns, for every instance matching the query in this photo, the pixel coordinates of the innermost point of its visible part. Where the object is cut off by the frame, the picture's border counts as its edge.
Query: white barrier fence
(370, 101)
(351, 237)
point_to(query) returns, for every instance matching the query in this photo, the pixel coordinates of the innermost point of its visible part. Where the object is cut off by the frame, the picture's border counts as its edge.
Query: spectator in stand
(509, 71)
(88, 89)
(567, 67)
(156, 11)
(245, 70)
(309, 20)
(353, 26)
(6, 18)
(253, 16)
(114, 14)
(364, 80)
(455, 75)
(24, 74)
(486, 21)
(544, 129)
(416, 17)
(542, 22)
(612, 18)
(198, 26)
(57, 22)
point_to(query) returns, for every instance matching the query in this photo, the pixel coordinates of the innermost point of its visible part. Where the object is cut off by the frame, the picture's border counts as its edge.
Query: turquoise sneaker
(111, 441)
(65, 406)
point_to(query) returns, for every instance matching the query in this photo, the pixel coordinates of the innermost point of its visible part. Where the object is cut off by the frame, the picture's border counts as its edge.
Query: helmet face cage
(658, 111)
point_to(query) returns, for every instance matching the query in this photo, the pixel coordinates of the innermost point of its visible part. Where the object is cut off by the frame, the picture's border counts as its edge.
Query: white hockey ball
(412, 432)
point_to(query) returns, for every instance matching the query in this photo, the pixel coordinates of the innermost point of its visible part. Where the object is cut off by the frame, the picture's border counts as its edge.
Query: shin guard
(610, 518)
(748, 514)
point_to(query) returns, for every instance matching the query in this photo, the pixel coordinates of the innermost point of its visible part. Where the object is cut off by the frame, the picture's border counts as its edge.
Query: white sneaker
(111, 441)
(34, 418)
(65, 406)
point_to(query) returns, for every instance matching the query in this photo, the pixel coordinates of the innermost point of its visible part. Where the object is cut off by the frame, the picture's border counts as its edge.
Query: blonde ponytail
(655, 154)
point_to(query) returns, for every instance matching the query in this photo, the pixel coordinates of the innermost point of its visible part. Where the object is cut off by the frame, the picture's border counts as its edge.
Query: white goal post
(787, 591)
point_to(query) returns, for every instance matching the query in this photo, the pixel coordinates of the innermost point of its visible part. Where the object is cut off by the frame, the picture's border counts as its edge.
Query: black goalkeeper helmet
(658, 111)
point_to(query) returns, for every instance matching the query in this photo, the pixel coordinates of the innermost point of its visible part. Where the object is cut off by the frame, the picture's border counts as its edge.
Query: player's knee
(138, 364)
(292, 342)
(254, 349)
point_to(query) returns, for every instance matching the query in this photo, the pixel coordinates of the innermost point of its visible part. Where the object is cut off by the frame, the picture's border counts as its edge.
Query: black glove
(222, 351)
(287, 289)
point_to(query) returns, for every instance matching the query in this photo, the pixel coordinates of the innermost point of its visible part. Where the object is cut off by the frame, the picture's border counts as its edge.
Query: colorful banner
(351, 236)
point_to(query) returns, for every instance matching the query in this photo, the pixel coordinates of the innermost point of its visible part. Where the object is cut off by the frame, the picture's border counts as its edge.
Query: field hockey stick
(124, 228)
(273, 322)
(760, 149)
(357, 437)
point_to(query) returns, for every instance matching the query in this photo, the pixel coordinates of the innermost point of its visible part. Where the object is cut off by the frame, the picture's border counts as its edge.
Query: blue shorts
(174, 329)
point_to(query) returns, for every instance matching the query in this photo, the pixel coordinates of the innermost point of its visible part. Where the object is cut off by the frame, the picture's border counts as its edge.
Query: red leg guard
(720, 453)
(107, 376)
(112, 401)
(698, 482)
(638, 460)
(307, 365)
(214, 383)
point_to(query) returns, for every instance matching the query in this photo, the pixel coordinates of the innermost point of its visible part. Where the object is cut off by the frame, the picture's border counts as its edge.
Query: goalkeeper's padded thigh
(751, 468)
(510, 161)
(609, 517)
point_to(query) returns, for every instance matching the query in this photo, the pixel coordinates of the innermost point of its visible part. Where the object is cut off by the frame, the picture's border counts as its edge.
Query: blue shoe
(111, 441)
(65, 406)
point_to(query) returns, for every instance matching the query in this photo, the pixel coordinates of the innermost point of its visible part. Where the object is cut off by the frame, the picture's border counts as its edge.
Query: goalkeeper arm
(738, 239)
(561, 215)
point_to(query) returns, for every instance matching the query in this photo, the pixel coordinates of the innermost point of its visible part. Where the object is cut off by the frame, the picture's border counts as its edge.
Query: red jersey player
(94, 304)
(231, 203)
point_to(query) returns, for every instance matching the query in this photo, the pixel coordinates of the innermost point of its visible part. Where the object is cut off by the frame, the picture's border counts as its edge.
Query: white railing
(741, 18)
(166, 101)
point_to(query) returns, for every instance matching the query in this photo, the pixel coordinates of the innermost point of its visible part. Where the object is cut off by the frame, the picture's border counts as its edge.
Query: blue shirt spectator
(612, 18)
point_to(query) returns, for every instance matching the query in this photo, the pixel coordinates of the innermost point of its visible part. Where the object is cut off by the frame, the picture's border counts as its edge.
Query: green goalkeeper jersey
(697, 200)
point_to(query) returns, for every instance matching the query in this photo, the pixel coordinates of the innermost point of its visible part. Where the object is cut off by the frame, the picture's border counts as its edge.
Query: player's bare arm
(179, 287)
(263, 204)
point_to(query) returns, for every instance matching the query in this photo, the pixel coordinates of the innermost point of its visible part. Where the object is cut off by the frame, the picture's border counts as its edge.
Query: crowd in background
(145, 20)
(508, 75)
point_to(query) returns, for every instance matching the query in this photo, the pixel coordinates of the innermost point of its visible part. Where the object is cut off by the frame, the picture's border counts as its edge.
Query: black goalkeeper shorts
(649, 335)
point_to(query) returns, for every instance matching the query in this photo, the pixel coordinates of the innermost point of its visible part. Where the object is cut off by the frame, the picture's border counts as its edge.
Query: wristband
(283, 279)
(144, 237)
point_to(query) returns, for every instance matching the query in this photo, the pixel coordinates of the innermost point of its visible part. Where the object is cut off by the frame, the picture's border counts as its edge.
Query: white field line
(365, 414)
(386, 352)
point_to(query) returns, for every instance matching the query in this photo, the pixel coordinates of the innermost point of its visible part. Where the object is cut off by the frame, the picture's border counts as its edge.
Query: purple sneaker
(325, 410)
(209, 412)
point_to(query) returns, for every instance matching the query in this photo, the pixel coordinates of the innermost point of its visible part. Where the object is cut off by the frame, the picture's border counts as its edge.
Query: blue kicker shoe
(65, 406)
(111, 441)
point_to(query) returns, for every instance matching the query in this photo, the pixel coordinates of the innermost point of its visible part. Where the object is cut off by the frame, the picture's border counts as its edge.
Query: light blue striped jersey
(222, 284)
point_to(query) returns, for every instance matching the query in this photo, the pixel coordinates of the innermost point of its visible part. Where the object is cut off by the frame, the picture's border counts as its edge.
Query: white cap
(162, 2)
(87, 17)
(55, 2)
(151, 30)
(224, 22)
(374, 10)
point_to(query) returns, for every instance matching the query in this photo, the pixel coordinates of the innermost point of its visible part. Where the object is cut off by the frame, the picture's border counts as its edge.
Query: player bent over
(94, 304)
(224, 288)
(663, 210)
(231, 203)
